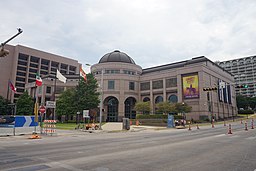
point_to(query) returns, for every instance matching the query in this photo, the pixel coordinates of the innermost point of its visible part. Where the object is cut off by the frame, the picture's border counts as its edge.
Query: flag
(12, 86)
(82, 73)
(38, 80)
(61, 77)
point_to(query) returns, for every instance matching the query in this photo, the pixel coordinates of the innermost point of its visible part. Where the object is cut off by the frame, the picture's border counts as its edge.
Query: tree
(165, 107)
(142, 107)
(66, 103)
(182, 108)
(86, 94)
(2, 105)
(25, 104)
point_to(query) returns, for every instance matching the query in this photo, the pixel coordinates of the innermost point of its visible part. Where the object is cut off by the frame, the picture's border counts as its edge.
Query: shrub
(245, 112)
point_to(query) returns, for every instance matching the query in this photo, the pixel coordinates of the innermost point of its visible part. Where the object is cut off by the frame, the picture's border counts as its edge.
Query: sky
(152, 32)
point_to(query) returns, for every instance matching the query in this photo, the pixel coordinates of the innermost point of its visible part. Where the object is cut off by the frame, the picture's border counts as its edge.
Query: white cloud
(147, 30)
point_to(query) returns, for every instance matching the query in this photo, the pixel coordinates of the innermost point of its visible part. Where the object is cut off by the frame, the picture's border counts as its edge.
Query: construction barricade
(49, 127)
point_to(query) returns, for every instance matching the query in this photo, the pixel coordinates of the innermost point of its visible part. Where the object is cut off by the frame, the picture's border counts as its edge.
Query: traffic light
(4, 52)
(210, 88)
(242, 86)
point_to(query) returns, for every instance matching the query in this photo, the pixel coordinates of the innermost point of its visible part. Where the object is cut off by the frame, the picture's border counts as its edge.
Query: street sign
(50, 104)
(85, 113)
(42, 109)
(25, 121)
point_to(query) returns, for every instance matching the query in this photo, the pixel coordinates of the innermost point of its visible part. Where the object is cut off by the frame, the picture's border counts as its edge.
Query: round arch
(146, 99)
(112, 108)
(159, 99)
(129, 111)
(173, 98)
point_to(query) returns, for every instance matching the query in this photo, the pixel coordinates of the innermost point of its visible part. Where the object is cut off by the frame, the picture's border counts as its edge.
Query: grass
(66, 126)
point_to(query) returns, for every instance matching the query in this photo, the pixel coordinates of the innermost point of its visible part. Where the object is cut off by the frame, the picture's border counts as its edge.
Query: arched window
(146, 99)
(173, 99)
(159, 99)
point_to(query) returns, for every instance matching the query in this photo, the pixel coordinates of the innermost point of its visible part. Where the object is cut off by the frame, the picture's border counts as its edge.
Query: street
(203, 149)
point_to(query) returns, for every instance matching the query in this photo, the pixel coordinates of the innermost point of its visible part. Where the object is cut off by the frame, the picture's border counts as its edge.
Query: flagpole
(7, 96)
(54, 95)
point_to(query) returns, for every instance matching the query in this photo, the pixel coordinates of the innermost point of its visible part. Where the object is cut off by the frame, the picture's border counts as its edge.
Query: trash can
(126, 123)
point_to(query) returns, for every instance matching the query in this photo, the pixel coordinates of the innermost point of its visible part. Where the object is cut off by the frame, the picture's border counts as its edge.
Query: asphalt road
(149, 150)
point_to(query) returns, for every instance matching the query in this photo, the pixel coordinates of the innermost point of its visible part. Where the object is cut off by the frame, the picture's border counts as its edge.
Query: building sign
(50, 104)
(190, 86)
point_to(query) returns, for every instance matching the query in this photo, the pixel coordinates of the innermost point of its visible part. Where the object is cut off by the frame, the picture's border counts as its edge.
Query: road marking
(220, 135)
(250, 138)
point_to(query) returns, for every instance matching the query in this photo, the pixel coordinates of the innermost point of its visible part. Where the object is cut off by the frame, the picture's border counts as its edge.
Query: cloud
(146, 30)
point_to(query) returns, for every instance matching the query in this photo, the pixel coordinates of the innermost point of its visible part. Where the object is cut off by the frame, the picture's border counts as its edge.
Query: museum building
(124, 83)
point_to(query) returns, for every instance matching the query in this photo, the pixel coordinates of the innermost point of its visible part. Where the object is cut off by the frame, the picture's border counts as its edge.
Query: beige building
(22, 64)
(125, 83)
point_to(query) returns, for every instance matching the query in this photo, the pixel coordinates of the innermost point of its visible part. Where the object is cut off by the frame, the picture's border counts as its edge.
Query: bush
(158, 116)
(245, 112)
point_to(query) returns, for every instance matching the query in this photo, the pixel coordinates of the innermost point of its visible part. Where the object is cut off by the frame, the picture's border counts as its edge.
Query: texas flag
(11, 86)
(38, 80)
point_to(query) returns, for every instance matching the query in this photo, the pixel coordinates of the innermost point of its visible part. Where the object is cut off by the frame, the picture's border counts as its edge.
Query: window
(112, 71)
(131, 86)
(48, 90)
(158, 84)
(33, 70)
(111, 84)
(173, 99)
(23, 57)
(172, 82)
(44, 67)
(45, 62)
(33, 65)
(22, 63)
(20, 84)
(34, 59)
(21, 73)
(21, 68)
(20, 79)
(145, 86)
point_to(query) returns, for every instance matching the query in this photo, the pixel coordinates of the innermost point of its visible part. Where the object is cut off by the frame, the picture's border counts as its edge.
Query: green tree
(182, 108)
(2, 105)
(165, 107)
(66, 103)
(25, 104)
(86, 94)
(142, 107)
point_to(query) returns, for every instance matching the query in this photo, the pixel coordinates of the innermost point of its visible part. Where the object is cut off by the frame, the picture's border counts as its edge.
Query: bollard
(189, 127)
(197, 127)
(229, 129)
(245, 126)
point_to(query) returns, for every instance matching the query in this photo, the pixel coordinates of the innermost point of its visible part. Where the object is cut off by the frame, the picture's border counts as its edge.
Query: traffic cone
(137, 123)
(130, 122)
(245, 126)
(197, 127)
(229, 129)
(189, 127)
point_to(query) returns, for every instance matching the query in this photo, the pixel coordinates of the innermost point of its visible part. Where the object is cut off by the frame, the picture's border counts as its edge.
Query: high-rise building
(244, 70)
(23, 63)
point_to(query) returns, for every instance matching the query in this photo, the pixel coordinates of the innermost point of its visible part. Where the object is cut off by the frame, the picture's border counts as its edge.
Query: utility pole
(5, 52)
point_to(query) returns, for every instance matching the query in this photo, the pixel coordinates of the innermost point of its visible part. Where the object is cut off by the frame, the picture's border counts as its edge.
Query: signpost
(42, 110)
(50, 104)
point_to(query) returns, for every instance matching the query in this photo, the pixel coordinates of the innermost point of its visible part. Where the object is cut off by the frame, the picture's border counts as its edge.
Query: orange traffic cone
(189, 127)
(130, 122)
(229, 129)
(137, 123)
(245, 126)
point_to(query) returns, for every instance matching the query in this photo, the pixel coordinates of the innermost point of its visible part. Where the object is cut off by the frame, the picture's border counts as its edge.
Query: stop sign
(42, 109)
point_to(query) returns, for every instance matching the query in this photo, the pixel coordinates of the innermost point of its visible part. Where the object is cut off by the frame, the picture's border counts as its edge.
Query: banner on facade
(190, 86)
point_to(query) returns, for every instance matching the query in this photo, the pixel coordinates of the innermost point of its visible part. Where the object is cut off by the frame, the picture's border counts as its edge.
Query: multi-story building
(23, 63)
(125, 83)
(244, 70)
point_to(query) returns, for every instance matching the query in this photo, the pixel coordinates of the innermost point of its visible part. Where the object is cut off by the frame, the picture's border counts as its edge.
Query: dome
(116, 56)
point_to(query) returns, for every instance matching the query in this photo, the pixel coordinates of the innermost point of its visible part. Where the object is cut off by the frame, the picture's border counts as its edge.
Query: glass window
(33, 70)
(48, 90)
(44, 67)
(23, 57)
(146, 99)
(33, 65)
(158, 84)
(22, 63)
(21, 68)
(112, 71)
(21, 73)
(145, 86)
(111, 84)
(20, 84)
(55, 64)
(20, 79)
(173, 99)
(159, 99)
(45, 62)
(131, 86)
(64, 66)
(172, 82)
(34, 59)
